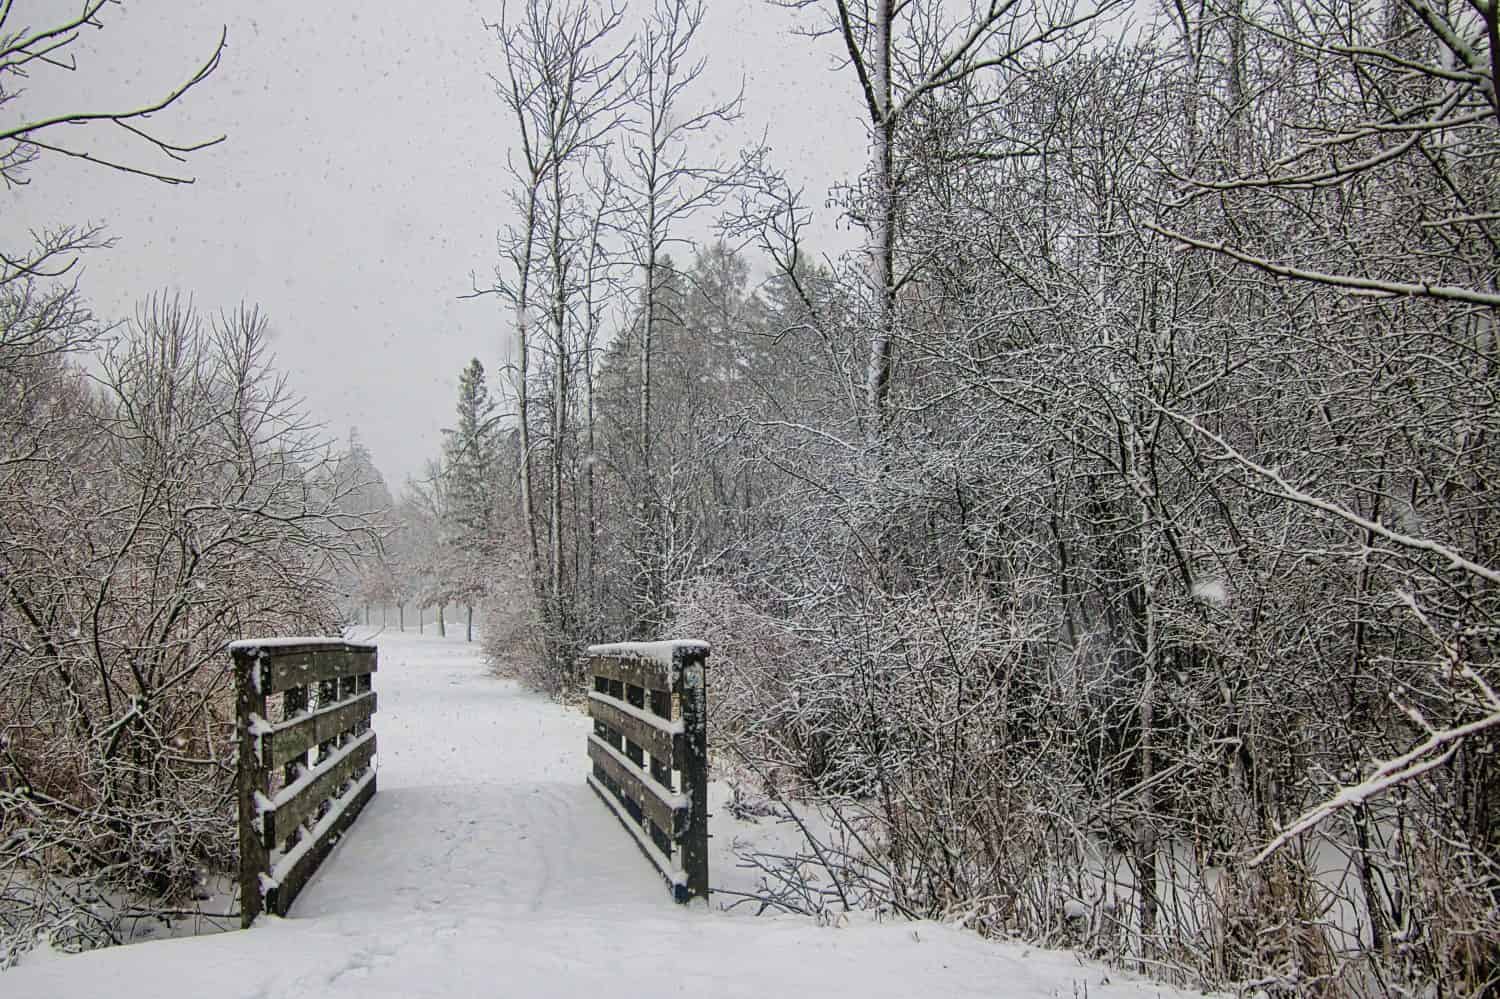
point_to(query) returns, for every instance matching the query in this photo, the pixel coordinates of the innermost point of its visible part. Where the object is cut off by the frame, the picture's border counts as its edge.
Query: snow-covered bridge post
(323, 745)
(650, 699)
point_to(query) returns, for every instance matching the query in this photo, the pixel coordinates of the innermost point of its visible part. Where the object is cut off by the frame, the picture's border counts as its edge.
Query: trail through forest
(486, 867)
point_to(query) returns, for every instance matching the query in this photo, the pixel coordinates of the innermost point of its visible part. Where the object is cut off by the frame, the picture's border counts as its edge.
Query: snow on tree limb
(1288, 491)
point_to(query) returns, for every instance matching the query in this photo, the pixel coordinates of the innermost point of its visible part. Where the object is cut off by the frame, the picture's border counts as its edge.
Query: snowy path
(486, 867)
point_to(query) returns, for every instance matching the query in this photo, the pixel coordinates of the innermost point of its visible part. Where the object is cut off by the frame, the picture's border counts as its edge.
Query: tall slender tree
(564, 87)
(667, 183)
(471, 477)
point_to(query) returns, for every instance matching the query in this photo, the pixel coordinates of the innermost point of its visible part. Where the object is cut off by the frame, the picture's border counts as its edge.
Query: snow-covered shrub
(511, 630)
(175, 503)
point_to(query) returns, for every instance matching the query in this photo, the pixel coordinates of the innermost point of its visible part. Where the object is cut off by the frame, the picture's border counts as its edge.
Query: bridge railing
(649, 751)
(304, 776)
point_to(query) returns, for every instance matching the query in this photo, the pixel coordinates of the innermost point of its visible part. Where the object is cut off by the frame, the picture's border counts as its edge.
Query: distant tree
(416, 545)
(470, 481)
(471, 454)
(434, 560)
(366, 497)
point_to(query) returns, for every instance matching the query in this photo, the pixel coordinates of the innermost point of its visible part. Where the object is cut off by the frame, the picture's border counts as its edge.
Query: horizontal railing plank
(654, 735)
(280, 671)
(647, 673)
(250, 648)
(291, 810)
(292, 871)
(290, 739)
(674, 875)
(668, 816)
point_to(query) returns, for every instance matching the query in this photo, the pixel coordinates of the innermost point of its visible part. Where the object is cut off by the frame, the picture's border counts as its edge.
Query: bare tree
(564, 89)
(188, 501)
(27, 52)
(667, 183)
(903, 54)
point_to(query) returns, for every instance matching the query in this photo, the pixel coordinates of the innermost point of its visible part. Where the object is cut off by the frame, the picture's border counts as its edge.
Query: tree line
(1108, 545)
(162, 491)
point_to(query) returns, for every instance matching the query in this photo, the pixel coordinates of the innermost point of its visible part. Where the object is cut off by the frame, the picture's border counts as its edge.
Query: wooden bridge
(486, 865)
(305, 711)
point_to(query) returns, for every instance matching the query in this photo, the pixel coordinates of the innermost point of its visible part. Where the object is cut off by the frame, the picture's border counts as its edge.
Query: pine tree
(470, 468)
(470, 460)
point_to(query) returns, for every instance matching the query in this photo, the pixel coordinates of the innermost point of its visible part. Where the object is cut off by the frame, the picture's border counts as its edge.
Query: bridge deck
(485, 866)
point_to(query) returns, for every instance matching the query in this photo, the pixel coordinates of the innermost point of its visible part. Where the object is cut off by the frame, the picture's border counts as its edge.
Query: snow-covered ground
(486, 867)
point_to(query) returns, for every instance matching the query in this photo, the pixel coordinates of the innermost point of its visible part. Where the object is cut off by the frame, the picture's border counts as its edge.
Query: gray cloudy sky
(362, 180)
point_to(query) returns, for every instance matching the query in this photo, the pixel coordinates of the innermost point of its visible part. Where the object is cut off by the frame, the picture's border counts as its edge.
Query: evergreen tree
(468, 481)
(471, 454)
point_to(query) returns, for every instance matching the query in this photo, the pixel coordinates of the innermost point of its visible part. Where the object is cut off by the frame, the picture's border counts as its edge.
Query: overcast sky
(362, 180)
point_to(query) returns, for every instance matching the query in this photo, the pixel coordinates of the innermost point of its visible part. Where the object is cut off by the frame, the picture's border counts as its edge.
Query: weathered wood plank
(652, 739)
(647, 673)
(659, 860)
(289, 814)
(270, 647)
(662, 708)
(633, 784)
(280, 897)
(335, 671)
(281, 670)
(291, 739)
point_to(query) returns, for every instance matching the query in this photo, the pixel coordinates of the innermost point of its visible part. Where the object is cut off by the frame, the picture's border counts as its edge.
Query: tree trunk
(561, 362)
(1145, 830)
(648, 323)
(523, 395)
(441, 623)
(1238, 109)
(469, 623)
(588, 471)
(555, 528)
(882, 248)
(646, 490)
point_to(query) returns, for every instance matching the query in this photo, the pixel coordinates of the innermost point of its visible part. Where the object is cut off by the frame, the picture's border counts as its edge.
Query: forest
(1104, 552)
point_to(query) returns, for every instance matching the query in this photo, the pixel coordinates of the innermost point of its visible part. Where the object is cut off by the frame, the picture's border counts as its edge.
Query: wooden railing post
(253, 780)
(689, 685)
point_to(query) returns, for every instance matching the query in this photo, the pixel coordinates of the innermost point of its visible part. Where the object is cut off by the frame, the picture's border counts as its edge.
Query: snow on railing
(320, 756)
(649, 751)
